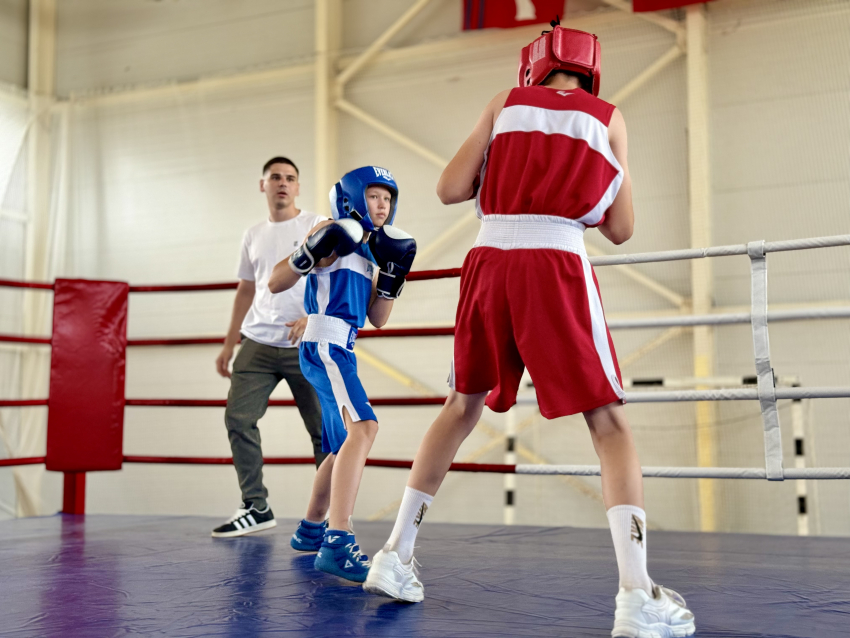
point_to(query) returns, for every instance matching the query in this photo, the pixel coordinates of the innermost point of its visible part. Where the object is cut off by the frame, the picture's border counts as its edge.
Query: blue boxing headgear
(348, 195)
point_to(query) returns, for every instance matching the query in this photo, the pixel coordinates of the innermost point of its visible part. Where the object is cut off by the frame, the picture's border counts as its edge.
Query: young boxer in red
(550, 158)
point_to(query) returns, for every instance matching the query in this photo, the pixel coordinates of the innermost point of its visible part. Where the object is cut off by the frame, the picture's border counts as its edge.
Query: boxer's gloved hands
(394, 251)
(341, 237)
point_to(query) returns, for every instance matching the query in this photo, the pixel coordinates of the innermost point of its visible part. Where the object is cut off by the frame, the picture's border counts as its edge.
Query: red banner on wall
(506, 14)
(85, 421)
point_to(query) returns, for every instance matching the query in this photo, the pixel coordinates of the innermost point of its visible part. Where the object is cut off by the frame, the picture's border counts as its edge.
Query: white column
(699, 182)
(327, 40)
(41, 64)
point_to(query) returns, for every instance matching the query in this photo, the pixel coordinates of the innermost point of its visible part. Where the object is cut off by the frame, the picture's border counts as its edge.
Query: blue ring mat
(101, 575)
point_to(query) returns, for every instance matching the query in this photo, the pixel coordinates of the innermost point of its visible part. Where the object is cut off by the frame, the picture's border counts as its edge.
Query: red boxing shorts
(529, 298)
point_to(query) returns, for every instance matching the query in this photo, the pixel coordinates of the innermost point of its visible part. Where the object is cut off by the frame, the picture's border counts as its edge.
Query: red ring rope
(33, 460)
(421, 275)
(493, 468)
(21, 403)
(443, 331)
(288, 403)
(11, 283)
(14, 339)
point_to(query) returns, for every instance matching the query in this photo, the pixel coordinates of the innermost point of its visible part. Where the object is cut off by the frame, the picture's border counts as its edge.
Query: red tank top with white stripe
(549, 155)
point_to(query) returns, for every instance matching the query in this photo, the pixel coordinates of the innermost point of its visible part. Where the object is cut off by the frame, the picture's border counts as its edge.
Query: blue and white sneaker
(308, 537)
(341, 556)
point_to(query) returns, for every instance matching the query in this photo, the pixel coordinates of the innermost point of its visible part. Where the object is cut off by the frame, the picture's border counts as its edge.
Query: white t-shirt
(263, 247)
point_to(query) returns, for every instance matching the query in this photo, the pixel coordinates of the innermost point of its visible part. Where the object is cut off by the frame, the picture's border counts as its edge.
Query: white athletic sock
(414, 504)
(628, 529)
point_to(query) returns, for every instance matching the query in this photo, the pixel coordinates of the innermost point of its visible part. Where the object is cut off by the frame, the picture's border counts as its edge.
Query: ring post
(74, 493)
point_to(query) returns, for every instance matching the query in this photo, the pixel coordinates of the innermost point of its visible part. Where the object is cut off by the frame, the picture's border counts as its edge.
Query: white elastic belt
(512, 232)
(331, 329)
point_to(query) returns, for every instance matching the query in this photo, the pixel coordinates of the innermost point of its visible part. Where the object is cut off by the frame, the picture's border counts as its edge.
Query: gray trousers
(257, 370)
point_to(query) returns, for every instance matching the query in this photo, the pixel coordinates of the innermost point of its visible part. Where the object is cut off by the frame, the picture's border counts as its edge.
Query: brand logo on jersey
(420, 515)
(352, 335)
(637, 530)
(382, 172)
(564, 93)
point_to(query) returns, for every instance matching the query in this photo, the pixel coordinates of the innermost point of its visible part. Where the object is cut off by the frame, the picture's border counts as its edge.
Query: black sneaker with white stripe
(247, 520)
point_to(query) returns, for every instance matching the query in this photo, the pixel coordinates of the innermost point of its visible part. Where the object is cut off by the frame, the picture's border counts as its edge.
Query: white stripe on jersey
(337, 382)
(595, 215)
(600, 332)
(575, 124)
(353, 262)
(323, 291)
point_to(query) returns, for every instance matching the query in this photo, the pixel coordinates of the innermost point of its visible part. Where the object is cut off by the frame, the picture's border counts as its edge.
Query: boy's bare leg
(348, 470)
(320, 497)
(622, 492)
(622, 480)
(392, 573)
(455, 422)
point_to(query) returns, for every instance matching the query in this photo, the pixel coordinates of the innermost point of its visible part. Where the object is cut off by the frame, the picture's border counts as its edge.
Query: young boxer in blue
(355, 267)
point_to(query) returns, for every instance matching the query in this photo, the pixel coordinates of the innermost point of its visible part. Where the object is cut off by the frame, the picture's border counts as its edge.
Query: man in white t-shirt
(271, 326)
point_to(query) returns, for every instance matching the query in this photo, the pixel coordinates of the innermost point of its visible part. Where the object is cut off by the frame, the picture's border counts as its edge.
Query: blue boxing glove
(341, 237)
(394, 251)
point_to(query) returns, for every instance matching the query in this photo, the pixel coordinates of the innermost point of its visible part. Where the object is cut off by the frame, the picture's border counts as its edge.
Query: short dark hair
(280, 160)
(585, 81)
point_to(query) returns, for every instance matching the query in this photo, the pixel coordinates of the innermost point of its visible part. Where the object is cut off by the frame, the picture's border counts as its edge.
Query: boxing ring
(118, 575)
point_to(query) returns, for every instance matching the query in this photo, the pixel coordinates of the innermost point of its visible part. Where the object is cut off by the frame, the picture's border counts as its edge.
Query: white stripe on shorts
(600, 330)
(337, 382)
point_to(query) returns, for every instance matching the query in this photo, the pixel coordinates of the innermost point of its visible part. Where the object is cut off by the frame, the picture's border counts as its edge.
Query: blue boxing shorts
(332, 371)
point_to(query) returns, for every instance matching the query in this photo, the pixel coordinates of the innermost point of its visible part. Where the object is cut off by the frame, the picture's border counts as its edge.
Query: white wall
(164, 181)
(13, 42)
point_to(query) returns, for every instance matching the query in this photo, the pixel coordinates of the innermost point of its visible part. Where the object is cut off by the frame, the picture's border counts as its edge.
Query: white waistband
(331, 329)
(511, 232)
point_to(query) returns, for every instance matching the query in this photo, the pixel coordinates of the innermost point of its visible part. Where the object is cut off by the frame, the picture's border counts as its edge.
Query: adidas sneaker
(247, 520)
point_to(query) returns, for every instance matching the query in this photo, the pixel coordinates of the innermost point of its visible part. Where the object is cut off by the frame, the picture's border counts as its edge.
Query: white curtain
(34, 187)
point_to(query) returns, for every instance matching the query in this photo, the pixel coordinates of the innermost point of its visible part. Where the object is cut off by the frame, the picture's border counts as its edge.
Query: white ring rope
(719, 251)
(692, 472)
(729, 318)
(725, 394)
(766, 393)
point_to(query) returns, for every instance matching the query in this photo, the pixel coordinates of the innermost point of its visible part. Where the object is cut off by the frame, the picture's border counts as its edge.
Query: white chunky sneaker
(389, 577)
(664, 615)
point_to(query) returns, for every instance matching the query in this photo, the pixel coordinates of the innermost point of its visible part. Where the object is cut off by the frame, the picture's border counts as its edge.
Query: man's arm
(619, 221)
(456, 182)
(241, 304)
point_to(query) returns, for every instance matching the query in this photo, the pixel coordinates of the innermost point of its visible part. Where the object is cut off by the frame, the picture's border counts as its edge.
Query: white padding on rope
(764, 371)
(692, 472)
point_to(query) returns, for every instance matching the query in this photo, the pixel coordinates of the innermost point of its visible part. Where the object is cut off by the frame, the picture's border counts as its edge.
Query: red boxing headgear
(561, 50)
